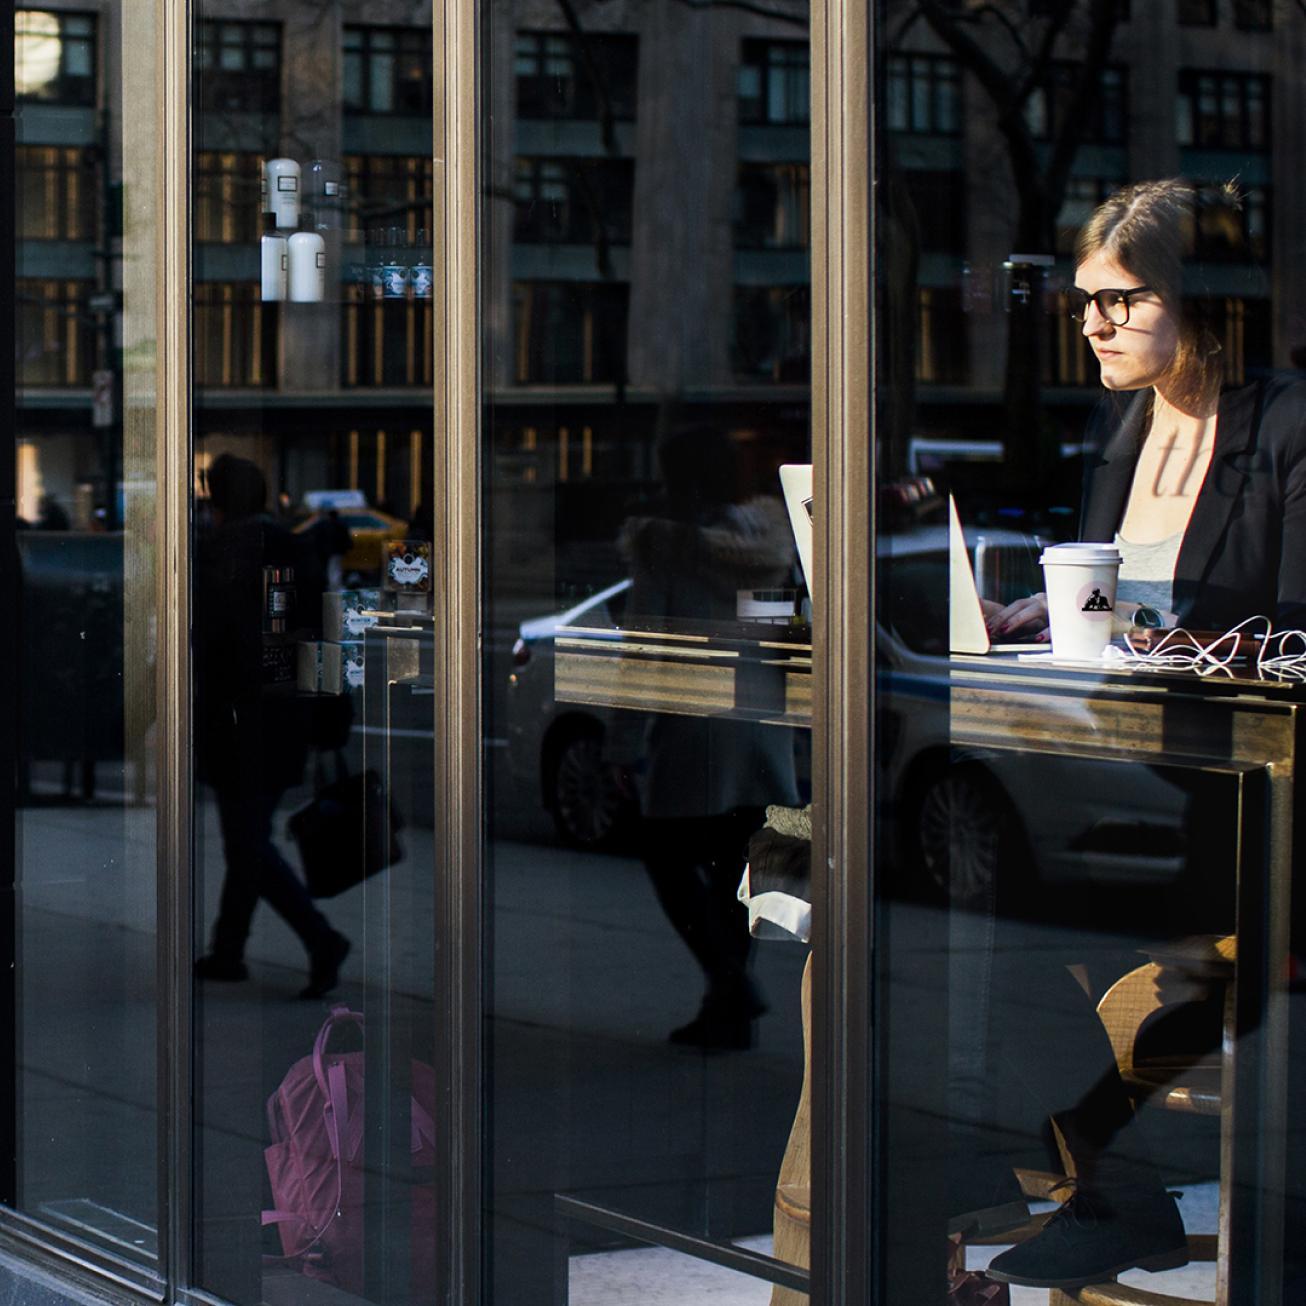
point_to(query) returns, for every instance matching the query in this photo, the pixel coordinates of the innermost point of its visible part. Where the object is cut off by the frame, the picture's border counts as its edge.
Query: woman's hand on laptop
(1028, 617)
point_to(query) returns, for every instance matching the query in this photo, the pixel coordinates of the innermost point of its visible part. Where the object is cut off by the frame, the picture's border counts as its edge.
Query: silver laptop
(967, 632)
(796, 481)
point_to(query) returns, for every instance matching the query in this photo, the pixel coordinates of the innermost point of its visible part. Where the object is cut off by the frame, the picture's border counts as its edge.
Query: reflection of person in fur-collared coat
(706, 781)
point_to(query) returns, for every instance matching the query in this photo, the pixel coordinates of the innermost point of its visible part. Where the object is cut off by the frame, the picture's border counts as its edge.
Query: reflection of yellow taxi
(369, 528)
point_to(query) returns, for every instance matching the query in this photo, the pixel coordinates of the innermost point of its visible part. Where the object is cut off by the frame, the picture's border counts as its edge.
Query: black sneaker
(324, 967)
(230, 970)
(1094, 1237)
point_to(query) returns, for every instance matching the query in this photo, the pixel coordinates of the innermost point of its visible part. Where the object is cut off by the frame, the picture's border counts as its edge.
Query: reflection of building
(595, 319)
(1208, 91)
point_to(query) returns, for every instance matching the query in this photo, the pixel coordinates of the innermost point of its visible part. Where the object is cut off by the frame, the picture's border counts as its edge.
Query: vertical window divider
(843, 648)
(173, 444)
(459, 845)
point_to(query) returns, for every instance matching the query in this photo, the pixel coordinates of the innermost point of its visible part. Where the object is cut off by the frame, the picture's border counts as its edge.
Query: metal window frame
(175, 843)
(459, 844)
(843, 1235)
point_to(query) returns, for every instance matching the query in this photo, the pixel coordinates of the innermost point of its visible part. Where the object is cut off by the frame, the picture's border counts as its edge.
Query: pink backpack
(315, 1164)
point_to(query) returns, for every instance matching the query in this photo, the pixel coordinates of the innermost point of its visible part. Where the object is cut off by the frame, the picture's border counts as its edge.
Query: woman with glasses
(1203, 489)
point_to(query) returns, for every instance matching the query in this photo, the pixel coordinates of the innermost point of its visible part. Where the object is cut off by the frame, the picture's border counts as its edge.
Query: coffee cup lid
(1079, 553)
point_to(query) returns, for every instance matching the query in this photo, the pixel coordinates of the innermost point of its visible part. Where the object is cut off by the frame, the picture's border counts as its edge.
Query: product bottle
(307, 277)
(274, 261)
(324, 194)
(278, 599)
(283, 192)
(394, 273)
(421, 275)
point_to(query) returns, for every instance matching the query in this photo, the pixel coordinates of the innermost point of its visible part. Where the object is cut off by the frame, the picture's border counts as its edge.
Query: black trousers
(696, 864)
(254, 870)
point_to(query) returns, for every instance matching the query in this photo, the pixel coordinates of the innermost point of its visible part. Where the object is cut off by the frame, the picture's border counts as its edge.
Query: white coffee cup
(1081, 589)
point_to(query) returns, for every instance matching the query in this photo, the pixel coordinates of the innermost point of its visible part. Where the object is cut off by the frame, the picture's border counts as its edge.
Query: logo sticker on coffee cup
(1093, 602)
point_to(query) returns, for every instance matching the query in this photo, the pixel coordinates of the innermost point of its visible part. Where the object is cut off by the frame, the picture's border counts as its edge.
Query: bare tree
(1010, 56)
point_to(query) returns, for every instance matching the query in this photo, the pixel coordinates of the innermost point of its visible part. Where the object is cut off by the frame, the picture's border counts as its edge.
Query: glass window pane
(1042, 858)
(381, 85)
(81, 947)
(313, 795)
(662, 1032)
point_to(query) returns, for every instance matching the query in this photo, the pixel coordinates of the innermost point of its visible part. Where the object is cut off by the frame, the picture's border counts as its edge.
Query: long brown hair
(1148, 229)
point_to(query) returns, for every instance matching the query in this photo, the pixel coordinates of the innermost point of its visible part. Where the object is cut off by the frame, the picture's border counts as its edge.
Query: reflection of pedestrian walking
(252, 744)
(706, 781)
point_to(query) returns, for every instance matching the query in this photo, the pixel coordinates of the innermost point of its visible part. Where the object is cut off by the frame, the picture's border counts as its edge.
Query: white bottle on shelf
(307, 268)
(274, 261)
(283, 192)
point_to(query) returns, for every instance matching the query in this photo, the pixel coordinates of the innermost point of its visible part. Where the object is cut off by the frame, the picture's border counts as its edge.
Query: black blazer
(1244, 552)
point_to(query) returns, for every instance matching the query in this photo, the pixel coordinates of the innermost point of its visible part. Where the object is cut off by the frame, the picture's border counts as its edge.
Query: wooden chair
(1174, 1084)
(1125, 1007)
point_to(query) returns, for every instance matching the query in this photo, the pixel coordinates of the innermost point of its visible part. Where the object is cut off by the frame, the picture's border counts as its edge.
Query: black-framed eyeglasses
(1113, 305)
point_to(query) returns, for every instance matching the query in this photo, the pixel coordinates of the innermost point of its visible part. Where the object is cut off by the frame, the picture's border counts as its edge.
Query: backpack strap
(335, 1106)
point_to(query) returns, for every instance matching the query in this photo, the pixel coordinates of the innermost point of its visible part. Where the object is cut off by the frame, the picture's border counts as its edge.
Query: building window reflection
(392, 190)
(773, 333)
(55, 331)
(238, 66)
(54, 57)
(573, 200)
(570, 332)
(1223, 110)
(56, 192)
(941, 353)
(387, 70)
(227, 197)
(774, 83)
(234, 337)
(772, 206)
(1050, 105)
(924, 94)
(589, 75)
(1243, 328)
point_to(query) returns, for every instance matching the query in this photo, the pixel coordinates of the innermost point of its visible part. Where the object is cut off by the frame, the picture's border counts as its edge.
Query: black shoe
(324, 967)
(715, 1032)
(214, 967)
(1094, 1237)
(725, 1020)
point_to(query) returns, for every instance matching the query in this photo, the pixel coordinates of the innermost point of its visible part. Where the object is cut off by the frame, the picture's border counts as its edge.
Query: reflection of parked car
(1072, 822)
(954, 814)
(369, 528)
(559, 746)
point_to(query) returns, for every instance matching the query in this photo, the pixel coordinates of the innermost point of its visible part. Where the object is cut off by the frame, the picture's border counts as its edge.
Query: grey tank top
(1147, 572)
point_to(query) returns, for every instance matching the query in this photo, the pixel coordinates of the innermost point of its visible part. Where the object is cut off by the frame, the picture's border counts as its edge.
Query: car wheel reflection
(584, 797)
(962, 829)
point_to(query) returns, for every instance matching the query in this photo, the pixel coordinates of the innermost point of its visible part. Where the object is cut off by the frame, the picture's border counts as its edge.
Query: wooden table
(1249, 730)
(1246, 729)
